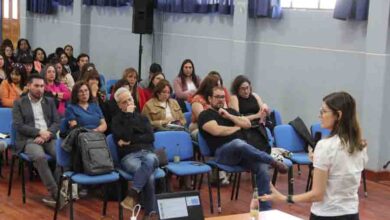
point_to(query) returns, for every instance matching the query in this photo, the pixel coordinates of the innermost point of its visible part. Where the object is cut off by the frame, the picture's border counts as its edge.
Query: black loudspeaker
(143, 16)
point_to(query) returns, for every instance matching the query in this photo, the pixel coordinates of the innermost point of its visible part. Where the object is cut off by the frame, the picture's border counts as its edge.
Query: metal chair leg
(309, 178)
(238, 185)
(11, 173)
(218, 193)
(119, 199)
(23, 184)
(210, 194)
(200, 182)
(58, 198)
(299, 170)
(195, 182)
(364, 183)
(234, 185)
(70, 193)
(274, 177)
(105, 200)
(291, 181)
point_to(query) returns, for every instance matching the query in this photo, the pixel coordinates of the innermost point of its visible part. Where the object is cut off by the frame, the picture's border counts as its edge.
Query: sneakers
(280, 166)
(131, 200)
(51, 202)
(223, 178)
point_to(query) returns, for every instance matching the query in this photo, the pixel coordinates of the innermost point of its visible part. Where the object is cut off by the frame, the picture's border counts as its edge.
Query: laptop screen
(179, 205)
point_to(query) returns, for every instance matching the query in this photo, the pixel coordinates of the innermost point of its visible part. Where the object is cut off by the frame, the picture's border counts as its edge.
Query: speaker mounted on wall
(143, 16)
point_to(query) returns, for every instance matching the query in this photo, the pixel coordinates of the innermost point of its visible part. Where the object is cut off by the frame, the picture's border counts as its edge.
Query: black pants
(343, 217)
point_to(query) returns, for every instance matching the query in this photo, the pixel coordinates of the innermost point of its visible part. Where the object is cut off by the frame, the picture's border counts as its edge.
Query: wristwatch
(289, 199)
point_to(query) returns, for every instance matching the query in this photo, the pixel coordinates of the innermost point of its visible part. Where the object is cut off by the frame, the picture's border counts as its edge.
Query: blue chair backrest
(62, 157)
(203, 146)
(110, 83)
(187, 116)
(317, 128)
(286, 137)
(174, 142)
(113, 147)
(271, 139)
(6, 120)
(278, 117)
(188, 106)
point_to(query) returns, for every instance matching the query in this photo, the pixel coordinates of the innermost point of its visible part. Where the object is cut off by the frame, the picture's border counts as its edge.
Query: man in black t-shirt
(221, 129)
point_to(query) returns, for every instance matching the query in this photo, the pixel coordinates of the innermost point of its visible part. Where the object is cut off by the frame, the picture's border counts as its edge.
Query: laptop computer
(179, 205)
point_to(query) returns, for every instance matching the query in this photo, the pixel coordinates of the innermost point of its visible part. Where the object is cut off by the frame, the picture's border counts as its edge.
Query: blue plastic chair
(287, 138)
(205, 152)
(188, 106)
(188, 117)
(22, 158)
(278, 117)
(180, 143)
(317, 128)
(5, 128)
(113, 147)
(109, 84)
(64, 161)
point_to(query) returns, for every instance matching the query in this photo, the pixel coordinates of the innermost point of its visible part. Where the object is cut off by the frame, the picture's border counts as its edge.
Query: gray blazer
(24, 123)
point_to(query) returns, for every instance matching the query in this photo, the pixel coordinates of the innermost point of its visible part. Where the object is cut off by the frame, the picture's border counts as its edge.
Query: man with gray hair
(133, 134)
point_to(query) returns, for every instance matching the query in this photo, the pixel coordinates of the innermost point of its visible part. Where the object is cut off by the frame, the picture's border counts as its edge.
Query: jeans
(142, 165)
(37, 154)
(239, 152)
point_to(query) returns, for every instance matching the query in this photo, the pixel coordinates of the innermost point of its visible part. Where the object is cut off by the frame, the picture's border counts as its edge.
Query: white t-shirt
(344, 173)
(191, 86)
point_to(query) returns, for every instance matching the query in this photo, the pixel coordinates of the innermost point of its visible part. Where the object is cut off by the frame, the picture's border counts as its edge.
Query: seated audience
(64, 60)
(8, 51)
(39, 57)
(72, 60)
(131, 75)
(23, 48)
(186, 83)
(59, 90)
(111, 107)
(12, 88)
(162, 110)
(92, 78)
(250, 105)
(36, 122)
(63, 76)
(3, 75)
(81, 60)
(153, 69)
(157, 77)
(338, 163)
(28, 62)
(83, 111)
(220, 81)
(134, 136)
(221, 129)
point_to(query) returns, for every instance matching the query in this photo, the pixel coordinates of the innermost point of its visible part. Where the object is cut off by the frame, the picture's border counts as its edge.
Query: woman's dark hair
(193, 76)
(44, 54)
(44, 72)
(237, 82)
(92, 74)
(119, 84)
(59, 50)
(20, 42)
(86, 68)
(346, 126)
(18, 68)
(151, 85)
(161, 86)
(75, 92)
(6, 43)
(206, 86)
(215, 73)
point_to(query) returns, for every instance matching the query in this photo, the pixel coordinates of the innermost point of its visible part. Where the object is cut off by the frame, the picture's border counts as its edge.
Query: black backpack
(96, 157)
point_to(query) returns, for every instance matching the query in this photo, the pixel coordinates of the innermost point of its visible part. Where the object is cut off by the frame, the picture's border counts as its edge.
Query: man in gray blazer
(36, 121)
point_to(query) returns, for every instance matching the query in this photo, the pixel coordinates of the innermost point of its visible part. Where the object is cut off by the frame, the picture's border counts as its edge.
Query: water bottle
(176, 157)
(254, 206)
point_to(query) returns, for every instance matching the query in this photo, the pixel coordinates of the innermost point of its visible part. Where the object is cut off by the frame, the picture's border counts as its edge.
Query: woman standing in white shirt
(338, 162)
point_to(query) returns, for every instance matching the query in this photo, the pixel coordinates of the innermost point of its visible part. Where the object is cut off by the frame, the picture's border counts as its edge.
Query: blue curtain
(264, 8)
(64, 2)
(351, 9)
(40, 6)
(196, 6)
(113, 3)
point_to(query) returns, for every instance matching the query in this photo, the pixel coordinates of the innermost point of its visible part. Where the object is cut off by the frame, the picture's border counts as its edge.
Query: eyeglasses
(219, 96)
(323, 111)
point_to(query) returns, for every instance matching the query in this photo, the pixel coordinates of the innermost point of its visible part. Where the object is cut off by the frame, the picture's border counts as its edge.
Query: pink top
(59, 88)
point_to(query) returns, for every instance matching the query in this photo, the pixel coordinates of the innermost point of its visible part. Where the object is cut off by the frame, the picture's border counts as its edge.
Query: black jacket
(132, 127)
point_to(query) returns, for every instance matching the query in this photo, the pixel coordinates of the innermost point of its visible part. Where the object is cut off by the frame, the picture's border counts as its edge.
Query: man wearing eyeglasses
(221, 129)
